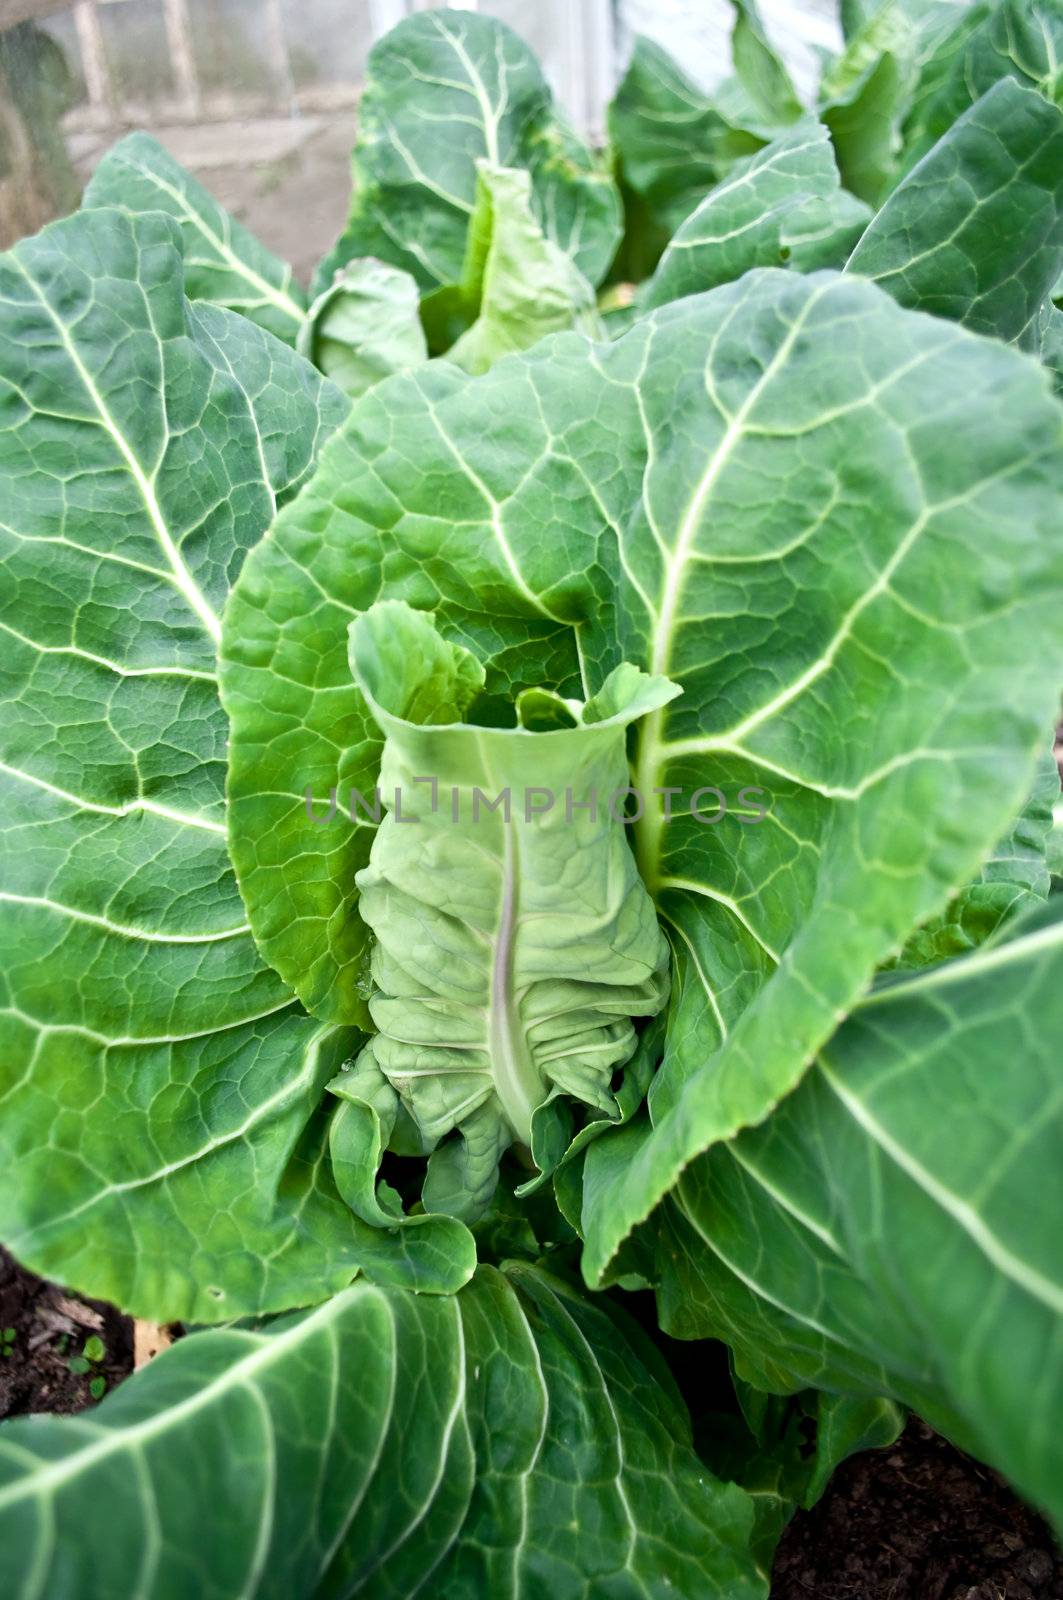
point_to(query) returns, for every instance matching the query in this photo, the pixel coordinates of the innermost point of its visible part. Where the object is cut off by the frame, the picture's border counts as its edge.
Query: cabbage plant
(545, 842)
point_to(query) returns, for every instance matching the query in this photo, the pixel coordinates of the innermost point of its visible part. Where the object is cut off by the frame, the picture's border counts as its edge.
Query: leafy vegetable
(517, 285)
(514, 939)
(365, 326)
(995, 39)
(890, 553)
(1015, 878)
(443, 90)
(157, 1076)
(512, 1439)
(636, 764)
(975, 232)
(223, 262)
(864, 95)
(781, 206)
(896, 1223)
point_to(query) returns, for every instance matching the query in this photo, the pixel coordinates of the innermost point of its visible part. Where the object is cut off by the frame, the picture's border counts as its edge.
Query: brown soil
(920, 1521)
(43, 1329)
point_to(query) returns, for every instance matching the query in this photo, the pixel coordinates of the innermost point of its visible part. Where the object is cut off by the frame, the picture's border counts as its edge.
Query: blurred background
(259, 98)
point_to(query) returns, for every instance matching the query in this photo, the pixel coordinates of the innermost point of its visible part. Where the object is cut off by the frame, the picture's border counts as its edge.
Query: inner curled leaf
(515, 941)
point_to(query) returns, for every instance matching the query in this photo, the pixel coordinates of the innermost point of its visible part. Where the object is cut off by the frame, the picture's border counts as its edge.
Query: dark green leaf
(157, 1076)
(223, 263)
(975, 231)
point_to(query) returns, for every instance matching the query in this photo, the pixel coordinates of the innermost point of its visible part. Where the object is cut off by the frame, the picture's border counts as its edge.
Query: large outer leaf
(157, 1076)
(895, 1226)
(975, 231)
(787, 188)
(223, 263)
(508, 1441)
(443, 90)
(830, 519)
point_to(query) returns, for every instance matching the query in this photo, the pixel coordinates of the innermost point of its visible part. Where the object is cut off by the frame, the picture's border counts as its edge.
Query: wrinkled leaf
(518, 284)
(514, 941)
(508, 1441)
(157, 1077)
(858, 499)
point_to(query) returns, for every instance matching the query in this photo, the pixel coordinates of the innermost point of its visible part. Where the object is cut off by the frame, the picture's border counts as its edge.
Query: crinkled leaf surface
(515, 941)
(157, 1077)
(829, 519)
(365, 326)
(975, 231)
(508, 1441)
(894, 1227)
(443, 90)
(788, 188)
(522, 285)
(223, 262)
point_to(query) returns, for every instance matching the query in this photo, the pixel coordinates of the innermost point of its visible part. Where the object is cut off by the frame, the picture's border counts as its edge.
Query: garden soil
(919, 1521)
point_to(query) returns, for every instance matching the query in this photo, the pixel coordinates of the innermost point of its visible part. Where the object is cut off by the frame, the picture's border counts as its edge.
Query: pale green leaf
(514, 939)
(364, 326)
(759, 68)
(864, 96)
(521, 284)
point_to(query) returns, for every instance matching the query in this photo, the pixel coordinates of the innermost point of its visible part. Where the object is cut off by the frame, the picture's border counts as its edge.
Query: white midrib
(1020, 1272)
(240, 1374)
(275, 296)
(182, 578)
(649, 828)
(517, 1081)
(479, 90)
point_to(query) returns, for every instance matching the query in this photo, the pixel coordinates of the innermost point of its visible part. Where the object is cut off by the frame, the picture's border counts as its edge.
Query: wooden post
(182, 55)
(94, 60)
